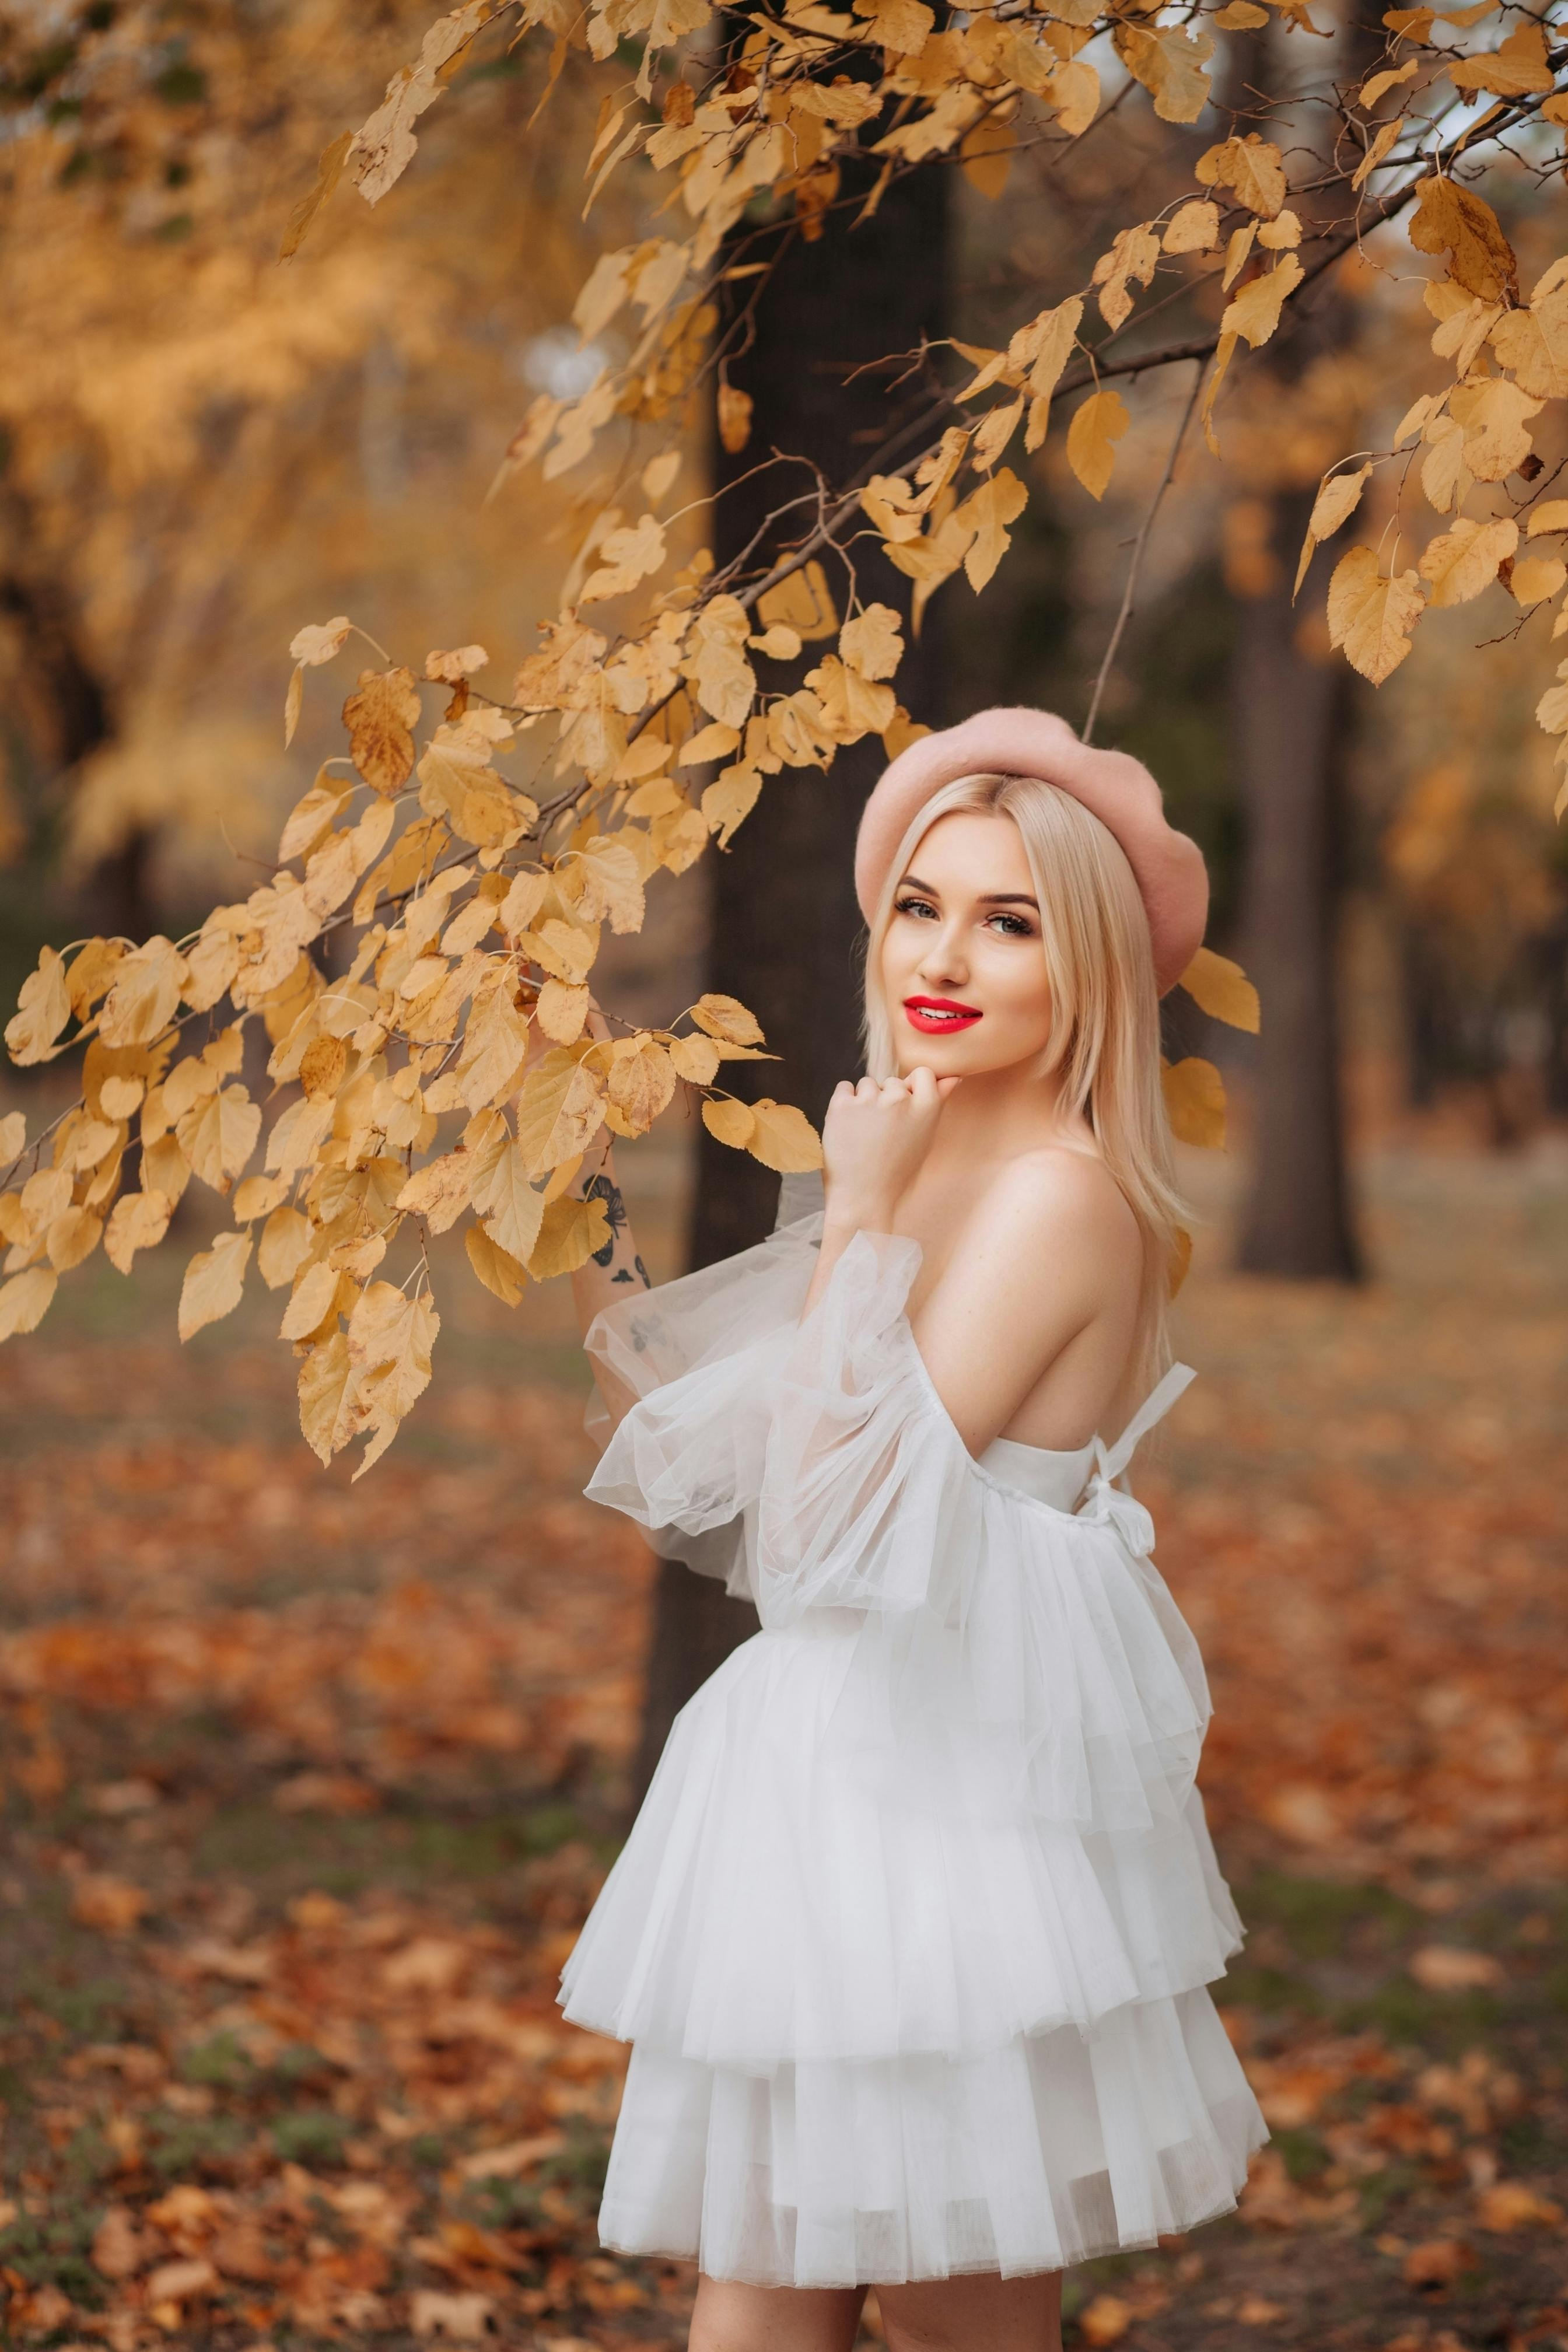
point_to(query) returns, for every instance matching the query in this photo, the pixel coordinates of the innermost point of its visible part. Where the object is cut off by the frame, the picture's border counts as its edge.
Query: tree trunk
(1291, 701)
(1291, 705)
(783, 924)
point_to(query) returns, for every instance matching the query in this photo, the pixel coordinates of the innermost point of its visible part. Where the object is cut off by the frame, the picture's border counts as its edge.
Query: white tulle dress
(912, 1933)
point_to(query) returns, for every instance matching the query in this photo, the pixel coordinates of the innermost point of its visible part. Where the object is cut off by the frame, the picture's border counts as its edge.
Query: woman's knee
(730, 2317)
(977, 2314)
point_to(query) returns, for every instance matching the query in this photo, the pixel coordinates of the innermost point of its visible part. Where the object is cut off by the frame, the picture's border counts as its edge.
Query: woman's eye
(915, 906)
(1014, 927)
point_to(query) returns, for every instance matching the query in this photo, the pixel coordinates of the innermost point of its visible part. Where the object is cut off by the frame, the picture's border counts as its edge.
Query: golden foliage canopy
(469, 849)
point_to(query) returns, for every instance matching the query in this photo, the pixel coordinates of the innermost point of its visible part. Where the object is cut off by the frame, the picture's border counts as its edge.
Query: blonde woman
(913, 1931)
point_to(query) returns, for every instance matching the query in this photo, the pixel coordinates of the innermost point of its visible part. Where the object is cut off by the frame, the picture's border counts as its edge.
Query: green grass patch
(311, 2136)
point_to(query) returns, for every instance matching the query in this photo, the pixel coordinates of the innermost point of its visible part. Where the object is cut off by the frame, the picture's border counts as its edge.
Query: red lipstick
(939, 1017)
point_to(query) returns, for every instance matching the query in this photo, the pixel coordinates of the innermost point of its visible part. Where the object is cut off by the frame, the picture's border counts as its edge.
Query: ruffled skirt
(891, 2024)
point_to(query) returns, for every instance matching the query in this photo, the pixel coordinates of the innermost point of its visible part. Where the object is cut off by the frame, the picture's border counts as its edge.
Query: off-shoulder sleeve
(699, 1356)
(866, 1488)
(816, 1445)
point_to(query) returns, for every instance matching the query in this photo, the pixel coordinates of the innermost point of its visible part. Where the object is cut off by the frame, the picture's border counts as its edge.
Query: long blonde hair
(1105, 1009)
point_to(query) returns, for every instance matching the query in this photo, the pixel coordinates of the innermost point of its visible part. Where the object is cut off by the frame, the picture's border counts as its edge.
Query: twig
(1125, 615)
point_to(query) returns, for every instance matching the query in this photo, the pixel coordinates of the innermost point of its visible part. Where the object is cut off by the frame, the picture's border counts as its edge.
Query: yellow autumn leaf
(640, 1084)
(218, 1135)
(1222, 990)
(734, 418)
(1251, 167)
(1371, 616)
(1194, 1102)
(440, 1191)
(391, 1338)
(781, 1137)
(1516, 68)
(285, 1238)
(803, 601)
(1452, 219)
(1194, 228)
(1536, 578)
(729, 798)
(1533, 343)
(1459, 563)
(725, 1018)
(1098, 424)
(694, 1058)
(215, 1280)
(45, 1009)
(1172, 65)
(25, 1300)
(1338, 499)
(561, 1011)
(988, 512)
(91, 972)
(73, 1237)
(319, 641)
(495, 1267)
(328, 1384)
(1254, 313)
(379, 715)
(559, 1111)
(313, 1298)
(148, 984)
(569, 1234)
(730, 1121)
(509, 1205)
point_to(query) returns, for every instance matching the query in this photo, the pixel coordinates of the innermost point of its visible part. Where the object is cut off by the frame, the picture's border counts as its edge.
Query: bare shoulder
(1055, 1218)
(1061, 1191)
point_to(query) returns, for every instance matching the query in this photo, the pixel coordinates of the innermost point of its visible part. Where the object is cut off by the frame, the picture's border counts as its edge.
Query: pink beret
(1118, 790)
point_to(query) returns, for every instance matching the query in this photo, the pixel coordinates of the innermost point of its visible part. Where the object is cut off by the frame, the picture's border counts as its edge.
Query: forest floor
(306, 1788)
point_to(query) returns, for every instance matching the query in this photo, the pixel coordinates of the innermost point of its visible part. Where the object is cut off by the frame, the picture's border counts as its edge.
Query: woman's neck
(1000, 1114)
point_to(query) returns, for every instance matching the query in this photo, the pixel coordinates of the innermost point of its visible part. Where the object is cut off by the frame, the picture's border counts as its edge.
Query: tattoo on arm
(602, 1188)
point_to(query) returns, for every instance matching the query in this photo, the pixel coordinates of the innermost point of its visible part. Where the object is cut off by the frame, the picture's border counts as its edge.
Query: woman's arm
(1057, 1249)
(874, 1140)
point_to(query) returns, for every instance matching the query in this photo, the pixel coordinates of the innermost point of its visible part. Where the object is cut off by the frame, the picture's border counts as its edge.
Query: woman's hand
(874, 1141)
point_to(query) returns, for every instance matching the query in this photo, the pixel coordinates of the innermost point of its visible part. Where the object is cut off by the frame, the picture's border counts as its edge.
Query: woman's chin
(971, 1056)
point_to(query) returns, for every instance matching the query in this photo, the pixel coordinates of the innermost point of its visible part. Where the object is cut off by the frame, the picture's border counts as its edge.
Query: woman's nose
(944, 957)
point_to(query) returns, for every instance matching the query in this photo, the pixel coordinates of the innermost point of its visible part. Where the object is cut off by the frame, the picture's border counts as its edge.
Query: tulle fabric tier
(1028, 2159)
(912, 1931)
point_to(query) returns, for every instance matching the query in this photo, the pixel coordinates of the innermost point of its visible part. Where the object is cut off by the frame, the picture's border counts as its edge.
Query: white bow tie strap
(1105, 1504)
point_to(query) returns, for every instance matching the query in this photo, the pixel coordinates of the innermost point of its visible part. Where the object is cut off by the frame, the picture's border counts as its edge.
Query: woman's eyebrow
(987, 898)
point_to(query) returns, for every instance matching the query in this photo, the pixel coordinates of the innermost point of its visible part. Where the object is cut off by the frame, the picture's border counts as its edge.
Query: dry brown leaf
(1454, 220)
(115, 1907)
(379, 716)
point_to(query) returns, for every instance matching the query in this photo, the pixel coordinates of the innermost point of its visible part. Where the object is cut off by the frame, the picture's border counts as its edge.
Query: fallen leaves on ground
(310, 1790)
